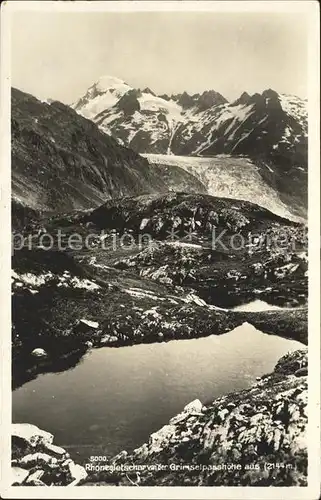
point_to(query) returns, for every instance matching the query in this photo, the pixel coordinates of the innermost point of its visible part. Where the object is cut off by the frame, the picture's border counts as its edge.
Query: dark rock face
(197, 212)
(255, 437)
(178, 179)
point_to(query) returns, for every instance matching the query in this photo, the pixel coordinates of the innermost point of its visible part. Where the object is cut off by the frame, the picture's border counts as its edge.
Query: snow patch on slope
(148, 102)
(296, 108)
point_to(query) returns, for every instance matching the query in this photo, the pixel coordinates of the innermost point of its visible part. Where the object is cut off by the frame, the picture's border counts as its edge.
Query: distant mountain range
(79, 156)
(269, 129)
(199, 124)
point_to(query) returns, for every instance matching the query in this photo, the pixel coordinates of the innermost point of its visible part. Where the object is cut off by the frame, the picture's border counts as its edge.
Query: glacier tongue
(229, 176)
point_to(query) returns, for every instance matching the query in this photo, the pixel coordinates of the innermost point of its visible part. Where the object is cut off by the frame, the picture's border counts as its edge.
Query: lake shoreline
(157, 327)
(184, 439)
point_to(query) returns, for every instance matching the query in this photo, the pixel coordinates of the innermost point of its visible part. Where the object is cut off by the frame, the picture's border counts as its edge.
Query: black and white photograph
(162, 165)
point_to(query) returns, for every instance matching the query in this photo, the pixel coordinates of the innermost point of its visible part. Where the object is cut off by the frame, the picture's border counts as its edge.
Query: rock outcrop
(256, 437)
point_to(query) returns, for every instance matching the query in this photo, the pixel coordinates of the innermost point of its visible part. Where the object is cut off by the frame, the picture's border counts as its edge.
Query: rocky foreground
(253, 437)
(36, 461)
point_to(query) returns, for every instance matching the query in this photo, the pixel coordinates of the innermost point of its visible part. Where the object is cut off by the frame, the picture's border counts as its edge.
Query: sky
(59, 55)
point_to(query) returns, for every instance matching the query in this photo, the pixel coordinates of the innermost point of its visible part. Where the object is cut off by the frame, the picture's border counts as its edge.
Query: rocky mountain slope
(61, 161)
(270, 129)
(256, 437)
(195, 246)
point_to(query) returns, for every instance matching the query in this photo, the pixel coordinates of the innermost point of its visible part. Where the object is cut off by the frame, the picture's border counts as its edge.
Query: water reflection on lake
(116, 397)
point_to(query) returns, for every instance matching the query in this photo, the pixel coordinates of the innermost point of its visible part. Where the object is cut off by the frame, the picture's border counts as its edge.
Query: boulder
(194, 406)
(18, 475)
(77, 473)
(31, 434)
(89, 323)
(39, 352)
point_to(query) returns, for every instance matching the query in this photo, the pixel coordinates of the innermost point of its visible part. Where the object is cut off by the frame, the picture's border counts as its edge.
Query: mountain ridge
(270, 128)
(191, 113)
(62, 161)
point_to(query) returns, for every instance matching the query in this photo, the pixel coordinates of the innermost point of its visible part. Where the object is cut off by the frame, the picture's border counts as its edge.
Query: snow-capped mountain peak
(262, 124)
(102, 95)
(107, 82)
(296, 108)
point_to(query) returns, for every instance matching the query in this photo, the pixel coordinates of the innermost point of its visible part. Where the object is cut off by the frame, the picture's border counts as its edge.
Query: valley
(142, 281)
